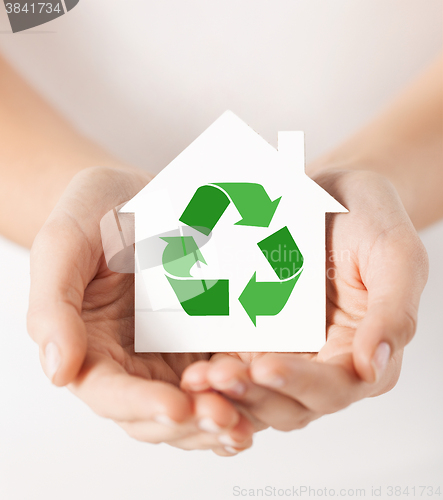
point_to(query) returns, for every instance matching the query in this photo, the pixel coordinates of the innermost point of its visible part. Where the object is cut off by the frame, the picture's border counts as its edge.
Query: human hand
(376, 270)
(81, 314)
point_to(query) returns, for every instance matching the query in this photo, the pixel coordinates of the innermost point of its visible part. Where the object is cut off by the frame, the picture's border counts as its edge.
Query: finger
(236, 440)
(321, 387)
(173, 433)
(231, 376)
(229, 451)
(64, 258)
(214, 413)
(240, 436)
(395, 278)
(187, 435)
(194, 378)
(61, 263)
(112, 393)
(205, 442)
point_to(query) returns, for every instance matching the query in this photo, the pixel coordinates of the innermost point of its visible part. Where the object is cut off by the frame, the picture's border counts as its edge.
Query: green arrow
(205, 209)
(202, 297)
(252, 201)
(266, 298)
(209, 203)
(211, 297)
(282, 253)
(180, 255)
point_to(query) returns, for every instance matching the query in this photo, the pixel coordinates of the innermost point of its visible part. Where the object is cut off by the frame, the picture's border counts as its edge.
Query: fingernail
(277, 382)
(165, 420)
(381, 359)
(236, 387)
(231, 450)
(273, 381)
(52, 360)
(227, 440)
(208, 425)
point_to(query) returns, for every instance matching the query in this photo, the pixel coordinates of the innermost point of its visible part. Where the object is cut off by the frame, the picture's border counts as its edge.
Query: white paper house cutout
(229, 151)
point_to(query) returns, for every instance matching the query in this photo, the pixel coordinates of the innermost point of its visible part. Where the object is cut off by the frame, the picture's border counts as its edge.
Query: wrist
(43, 192)
(340, 162)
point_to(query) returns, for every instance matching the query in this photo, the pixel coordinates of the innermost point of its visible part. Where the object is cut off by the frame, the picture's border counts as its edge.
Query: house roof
(230, 132)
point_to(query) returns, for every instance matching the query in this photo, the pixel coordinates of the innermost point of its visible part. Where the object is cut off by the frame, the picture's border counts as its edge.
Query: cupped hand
(376, 269)
(81, 314)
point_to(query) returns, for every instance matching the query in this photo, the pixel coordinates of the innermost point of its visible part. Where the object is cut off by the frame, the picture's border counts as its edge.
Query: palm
(354, 245)
(108, 313)
(84, 312)
(346, 295)
(374, 260)
(357, 244)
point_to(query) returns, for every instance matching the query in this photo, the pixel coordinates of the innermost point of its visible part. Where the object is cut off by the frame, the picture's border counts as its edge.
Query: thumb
(395, 278)
(61, 267)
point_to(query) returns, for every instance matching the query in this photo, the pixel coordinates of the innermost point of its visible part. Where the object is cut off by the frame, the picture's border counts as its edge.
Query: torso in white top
(145, 78)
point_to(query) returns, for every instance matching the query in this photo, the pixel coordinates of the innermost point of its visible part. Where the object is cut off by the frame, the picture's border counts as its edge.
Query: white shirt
(144, 78)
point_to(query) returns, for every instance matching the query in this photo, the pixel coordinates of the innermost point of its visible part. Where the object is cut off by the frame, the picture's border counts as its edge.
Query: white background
(145, 78)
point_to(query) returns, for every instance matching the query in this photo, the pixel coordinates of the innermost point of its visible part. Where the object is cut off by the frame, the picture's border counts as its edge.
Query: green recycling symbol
(202, 297)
